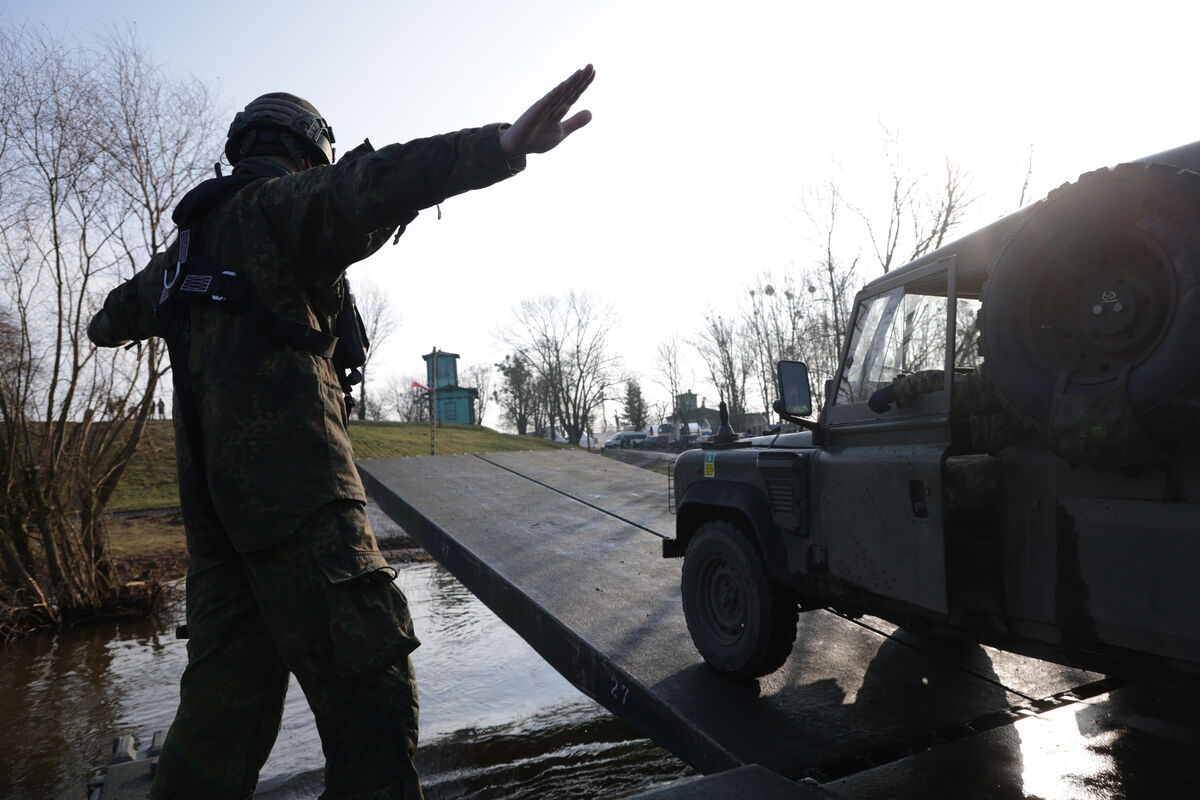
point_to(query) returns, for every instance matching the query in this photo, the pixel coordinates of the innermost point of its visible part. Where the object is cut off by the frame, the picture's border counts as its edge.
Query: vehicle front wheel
(743, 624)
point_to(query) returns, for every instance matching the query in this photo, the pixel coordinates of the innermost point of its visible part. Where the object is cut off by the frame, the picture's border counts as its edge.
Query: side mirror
(793, 382)
(796, 402)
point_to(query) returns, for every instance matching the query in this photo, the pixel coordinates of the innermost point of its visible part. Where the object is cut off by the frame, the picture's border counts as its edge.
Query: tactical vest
(196, 279)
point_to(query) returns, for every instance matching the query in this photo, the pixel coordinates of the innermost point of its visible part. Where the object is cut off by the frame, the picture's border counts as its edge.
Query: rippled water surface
(496, 721)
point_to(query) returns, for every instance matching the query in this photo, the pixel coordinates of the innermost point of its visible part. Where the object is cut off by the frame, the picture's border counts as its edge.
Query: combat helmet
(280, 124)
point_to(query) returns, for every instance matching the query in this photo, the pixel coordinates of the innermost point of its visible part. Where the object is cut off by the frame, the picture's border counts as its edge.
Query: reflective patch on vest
(196, 283)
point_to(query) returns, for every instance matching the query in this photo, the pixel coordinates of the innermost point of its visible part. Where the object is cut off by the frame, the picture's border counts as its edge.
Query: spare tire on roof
(1091, 315)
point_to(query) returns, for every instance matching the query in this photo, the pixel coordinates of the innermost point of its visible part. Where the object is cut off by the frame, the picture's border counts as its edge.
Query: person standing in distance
(284, 574)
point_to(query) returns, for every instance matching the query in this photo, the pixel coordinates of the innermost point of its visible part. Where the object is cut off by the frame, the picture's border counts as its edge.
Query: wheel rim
(1099, 304)
(722, 601)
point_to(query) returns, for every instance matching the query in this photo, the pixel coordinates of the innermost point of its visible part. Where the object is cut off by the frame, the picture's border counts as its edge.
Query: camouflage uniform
(971, 479)
(974, 399)
(285, 574)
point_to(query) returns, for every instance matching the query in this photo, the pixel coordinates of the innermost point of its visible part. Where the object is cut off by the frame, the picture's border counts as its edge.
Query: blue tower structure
(455, 404)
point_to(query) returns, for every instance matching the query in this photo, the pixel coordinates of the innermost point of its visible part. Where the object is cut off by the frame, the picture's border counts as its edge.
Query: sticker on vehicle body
(710, 465)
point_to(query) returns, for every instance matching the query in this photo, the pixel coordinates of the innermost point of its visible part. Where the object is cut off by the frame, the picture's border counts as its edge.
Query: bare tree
(774, 326)
(658, 411)
(98, 146)
(885, 239)
(942, 212)
(827, 288)
(564, 342)
(374, 407)
(406, 399)
(381, 323)
(1028, 178)
(479, 377)
(929, 215)
(722, 350)
(671, 374)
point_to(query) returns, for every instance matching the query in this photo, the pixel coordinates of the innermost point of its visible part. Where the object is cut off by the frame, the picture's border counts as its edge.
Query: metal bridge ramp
(565, 547)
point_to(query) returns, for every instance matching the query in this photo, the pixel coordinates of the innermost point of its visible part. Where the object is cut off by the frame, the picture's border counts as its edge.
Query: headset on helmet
(280, 120)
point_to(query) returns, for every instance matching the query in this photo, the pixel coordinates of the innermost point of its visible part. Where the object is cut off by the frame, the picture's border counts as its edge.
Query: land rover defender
(1040, 492)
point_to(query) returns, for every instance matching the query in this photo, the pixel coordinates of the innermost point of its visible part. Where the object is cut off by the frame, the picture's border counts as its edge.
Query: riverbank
(146, 535)
(150, 545)
(147, 544)
(150, 480)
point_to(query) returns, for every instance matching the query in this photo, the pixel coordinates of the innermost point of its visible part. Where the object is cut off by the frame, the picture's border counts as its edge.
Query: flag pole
(433, 403)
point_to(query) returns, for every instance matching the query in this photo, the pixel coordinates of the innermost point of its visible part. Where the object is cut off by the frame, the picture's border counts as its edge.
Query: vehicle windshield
(904, 331)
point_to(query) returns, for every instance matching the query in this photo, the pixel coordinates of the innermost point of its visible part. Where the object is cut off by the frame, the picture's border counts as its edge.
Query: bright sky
(711, 122)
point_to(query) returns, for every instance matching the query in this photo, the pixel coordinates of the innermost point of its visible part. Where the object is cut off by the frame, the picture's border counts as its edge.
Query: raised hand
(542, 126)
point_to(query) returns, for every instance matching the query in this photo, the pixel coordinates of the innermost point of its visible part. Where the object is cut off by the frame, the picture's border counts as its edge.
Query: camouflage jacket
(272, 418)
(973, 393)
(975, 399)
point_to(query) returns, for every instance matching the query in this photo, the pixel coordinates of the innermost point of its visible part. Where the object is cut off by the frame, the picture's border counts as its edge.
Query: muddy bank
(150, 545)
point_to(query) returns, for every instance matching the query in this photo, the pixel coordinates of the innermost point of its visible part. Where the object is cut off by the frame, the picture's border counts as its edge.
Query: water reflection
(63, 696)
(1141, 741)
(956, 675)
(496, 721)
(1067, 766)
(473, 671)
(573, 751)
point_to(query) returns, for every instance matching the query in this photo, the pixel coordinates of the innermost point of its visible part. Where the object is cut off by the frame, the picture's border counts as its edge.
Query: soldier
(971, 478)
(285, 574)
(974, 400)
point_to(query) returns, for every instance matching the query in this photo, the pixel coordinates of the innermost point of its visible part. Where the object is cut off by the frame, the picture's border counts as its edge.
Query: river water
(496, 721)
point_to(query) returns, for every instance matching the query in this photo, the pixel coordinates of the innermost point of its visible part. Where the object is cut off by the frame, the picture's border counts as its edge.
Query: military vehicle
(1041, 494)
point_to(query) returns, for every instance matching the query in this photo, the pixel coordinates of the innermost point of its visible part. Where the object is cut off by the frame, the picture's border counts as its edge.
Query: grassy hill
(149, 482)
(149, 542)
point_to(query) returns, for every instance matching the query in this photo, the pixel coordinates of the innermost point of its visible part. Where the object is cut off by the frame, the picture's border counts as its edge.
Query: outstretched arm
(542, 127)
(128, 311)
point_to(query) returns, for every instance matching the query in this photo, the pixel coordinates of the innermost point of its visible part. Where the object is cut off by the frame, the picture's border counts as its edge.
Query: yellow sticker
(710, 464)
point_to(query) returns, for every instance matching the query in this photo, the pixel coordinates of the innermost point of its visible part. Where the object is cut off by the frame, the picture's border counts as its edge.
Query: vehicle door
(879, 476)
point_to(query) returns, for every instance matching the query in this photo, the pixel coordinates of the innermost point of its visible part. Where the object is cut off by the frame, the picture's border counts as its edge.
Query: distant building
(685, 407)
(755, 422)
(688, 413)
(708, 418)
(454, 404)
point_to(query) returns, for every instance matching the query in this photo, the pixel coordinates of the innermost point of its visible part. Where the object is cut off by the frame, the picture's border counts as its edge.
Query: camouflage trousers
(322, 605)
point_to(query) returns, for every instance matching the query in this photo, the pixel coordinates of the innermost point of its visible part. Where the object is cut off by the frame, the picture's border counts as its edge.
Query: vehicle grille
(779, 494)
(671, 486)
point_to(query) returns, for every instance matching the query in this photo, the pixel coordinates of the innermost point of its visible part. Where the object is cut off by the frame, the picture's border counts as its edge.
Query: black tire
(1091, 313)
(743, 624)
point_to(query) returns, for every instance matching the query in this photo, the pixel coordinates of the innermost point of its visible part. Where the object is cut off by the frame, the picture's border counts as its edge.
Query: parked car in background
(626, 439)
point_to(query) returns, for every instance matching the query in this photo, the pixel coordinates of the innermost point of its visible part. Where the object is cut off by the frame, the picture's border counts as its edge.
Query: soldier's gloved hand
(882, 399)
